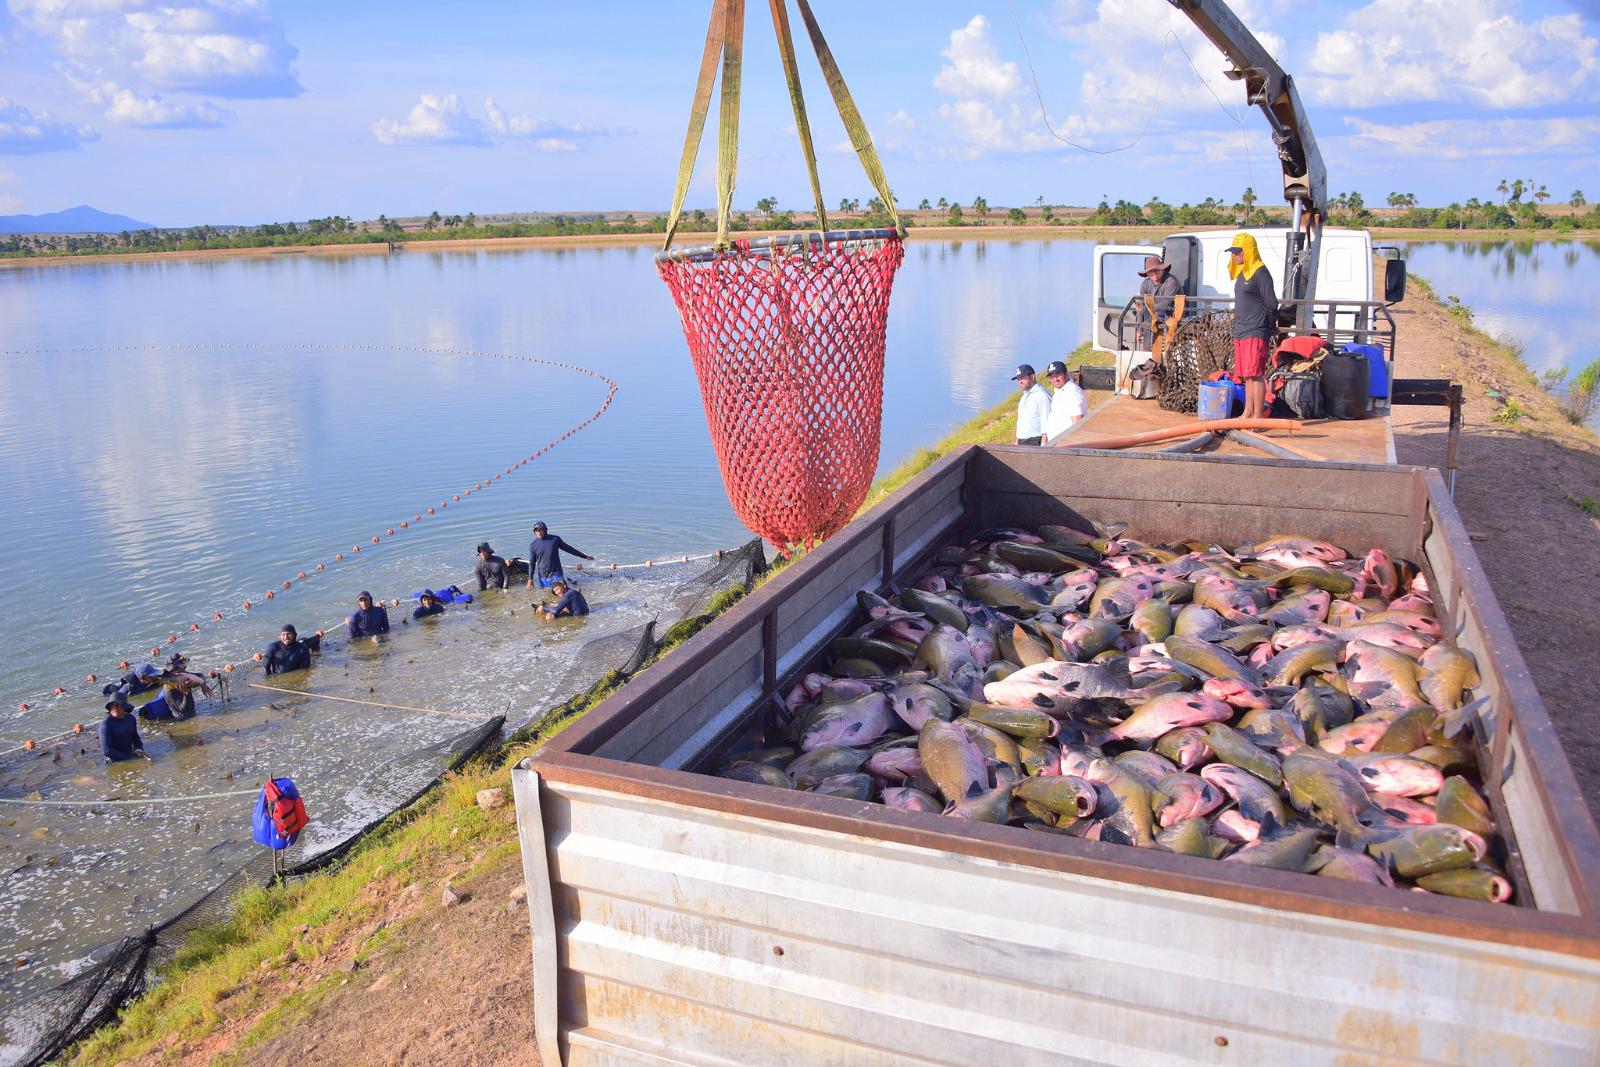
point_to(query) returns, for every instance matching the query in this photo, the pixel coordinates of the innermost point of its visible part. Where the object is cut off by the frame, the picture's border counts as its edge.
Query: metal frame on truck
(685, 919)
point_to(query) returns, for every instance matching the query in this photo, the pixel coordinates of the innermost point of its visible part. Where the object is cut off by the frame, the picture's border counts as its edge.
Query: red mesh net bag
(787, 336)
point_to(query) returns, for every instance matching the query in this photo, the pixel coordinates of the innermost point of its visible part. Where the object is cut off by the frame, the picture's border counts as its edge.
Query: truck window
(1119, 277)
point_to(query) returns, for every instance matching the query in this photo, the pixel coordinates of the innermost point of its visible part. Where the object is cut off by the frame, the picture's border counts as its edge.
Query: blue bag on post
(279, 814)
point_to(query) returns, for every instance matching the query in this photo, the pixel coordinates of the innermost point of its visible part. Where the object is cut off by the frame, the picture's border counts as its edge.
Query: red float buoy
(22, 707)
(216, 616)
(58, 691)
(77, 727)
(391, 530)
(257, 657)
(320, 568)
(246, 605)
(301, 576)
(290, 583)
(123, 665)
(89, 678)
(431, 511)
(28, 744)
(375, 540)
(228, 668)
(194, 627)
(337, 556)
(319, 633)
(271, 595)
(155, 650)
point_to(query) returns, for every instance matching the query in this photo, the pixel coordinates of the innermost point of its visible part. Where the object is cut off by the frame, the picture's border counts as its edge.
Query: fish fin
(1453, 722)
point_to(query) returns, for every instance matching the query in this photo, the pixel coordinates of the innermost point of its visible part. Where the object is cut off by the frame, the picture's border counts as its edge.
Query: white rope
(104, 803)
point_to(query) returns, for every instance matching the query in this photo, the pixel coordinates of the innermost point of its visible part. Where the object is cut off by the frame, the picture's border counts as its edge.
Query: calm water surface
(1533, 292)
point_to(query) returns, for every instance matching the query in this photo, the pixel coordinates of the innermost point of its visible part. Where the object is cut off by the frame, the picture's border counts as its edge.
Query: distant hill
(80, 219)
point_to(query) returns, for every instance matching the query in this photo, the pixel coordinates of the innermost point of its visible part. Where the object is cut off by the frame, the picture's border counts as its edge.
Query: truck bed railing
(1365, 322)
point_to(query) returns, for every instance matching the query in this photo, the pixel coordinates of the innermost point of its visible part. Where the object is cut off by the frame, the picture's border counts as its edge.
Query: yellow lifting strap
(725, 41)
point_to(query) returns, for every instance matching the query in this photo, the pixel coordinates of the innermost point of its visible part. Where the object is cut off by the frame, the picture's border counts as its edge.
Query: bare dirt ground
(1517, 492)
(453, 985)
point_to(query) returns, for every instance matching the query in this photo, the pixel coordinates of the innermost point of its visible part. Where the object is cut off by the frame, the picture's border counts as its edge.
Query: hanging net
(787, 337)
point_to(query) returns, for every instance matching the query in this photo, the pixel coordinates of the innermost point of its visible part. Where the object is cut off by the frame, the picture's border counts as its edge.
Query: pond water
(179, 436)
(1526, 292)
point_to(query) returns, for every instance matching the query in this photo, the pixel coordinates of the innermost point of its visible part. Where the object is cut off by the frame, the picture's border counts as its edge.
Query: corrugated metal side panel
(729, 680)
(668, 918)
(1553, 837)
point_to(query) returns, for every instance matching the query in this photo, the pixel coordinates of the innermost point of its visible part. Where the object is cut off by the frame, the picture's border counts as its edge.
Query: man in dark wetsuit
(177, 692)
(570, 602)
(119, 732)
(430, 605)
(491, 569)
(287, 653)
(544, 556)
(368, 620)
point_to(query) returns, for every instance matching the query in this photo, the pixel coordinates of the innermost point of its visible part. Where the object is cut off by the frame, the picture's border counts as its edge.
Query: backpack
(1144, 381)
(1297, 395)
(279, 815)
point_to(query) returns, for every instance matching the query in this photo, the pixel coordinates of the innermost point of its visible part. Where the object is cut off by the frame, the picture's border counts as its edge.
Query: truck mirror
(1394, 281)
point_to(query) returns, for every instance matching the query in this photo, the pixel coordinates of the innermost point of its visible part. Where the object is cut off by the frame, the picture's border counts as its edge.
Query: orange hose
(1187, 429)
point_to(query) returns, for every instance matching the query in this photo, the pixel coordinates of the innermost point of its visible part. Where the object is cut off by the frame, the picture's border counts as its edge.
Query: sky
(180, 112)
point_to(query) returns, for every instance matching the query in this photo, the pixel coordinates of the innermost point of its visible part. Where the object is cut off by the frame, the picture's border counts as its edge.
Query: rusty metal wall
(694, 937)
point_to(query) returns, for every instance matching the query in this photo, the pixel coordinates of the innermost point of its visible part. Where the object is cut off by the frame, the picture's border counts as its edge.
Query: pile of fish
(1281, 704)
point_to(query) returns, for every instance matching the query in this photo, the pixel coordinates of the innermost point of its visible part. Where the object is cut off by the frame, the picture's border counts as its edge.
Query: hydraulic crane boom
(1305, 179)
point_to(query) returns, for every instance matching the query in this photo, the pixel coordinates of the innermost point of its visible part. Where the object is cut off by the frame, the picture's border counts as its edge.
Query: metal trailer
(691, 920)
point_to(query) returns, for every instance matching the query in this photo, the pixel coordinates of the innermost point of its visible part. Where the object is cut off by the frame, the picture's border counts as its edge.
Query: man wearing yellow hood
(1255, 317)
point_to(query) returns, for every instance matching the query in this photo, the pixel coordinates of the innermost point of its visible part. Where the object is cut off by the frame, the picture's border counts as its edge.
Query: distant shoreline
(996, 233)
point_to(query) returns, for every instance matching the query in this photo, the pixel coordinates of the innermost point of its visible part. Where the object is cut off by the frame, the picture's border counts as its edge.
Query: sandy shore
(993, 232)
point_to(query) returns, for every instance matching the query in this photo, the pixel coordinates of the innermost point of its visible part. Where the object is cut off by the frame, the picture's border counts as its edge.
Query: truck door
(1116, 281)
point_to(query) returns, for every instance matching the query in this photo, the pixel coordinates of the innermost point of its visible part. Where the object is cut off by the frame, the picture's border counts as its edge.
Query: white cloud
(546, 135)
(975, 67)
(227, 48)
(22, 131)
(1481, 138)
(9, 202)
(442, 120)
(129, 108)
(1394, 51)
(433, 120)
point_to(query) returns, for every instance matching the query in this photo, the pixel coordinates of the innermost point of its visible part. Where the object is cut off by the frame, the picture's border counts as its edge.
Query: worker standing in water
(368, 620)
(1255, 318)
(491, 569)
(119, 732)
(544, 556)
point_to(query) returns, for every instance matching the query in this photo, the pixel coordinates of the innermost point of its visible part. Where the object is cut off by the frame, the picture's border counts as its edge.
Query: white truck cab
(1199, 262)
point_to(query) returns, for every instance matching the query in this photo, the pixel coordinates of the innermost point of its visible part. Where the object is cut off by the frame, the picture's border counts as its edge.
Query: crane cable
(1170, 38)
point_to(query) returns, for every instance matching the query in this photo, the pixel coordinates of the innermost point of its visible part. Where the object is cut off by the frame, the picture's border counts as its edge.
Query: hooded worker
(1255, 318)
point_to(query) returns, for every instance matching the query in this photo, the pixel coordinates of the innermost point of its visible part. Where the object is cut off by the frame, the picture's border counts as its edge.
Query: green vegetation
(1587, 504)
(1511, 411)
(1582, 397)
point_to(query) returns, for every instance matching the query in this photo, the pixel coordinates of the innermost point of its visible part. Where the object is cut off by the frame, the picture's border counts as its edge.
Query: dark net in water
(37, 1030)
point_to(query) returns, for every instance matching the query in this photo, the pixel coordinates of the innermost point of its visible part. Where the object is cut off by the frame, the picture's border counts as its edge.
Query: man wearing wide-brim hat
(1158, 290)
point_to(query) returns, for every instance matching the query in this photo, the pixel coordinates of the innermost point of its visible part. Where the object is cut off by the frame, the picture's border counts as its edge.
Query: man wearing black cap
(119, 732)
(491, 569)
(1067, 403)
(368, 620)
(1033, 410)
(287, 653)
(544, 556)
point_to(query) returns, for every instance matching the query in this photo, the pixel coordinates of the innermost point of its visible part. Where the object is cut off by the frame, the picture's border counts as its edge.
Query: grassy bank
(288, 948)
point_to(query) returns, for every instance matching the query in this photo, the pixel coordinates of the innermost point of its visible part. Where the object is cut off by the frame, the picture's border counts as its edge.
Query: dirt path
(1516, 491)
(454, 985)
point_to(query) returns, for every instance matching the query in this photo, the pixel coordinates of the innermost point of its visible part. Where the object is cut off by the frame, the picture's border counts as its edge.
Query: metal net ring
(787, 335)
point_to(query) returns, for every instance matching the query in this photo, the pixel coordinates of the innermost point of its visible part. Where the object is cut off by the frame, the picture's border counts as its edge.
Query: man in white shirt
(1067, 406)
(1034, 407)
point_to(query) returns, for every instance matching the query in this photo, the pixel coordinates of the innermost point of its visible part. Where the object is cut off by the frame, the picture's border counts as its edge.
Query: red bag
(284, 807)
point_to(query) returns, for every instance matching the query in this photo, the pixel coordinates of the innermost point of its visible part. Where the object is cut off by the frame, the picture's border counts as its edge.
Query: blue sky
(243, 111)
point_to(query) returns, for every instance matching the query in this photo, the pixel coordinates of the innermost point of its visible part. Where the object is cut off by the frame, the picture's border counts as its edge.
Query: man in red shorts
(1255, 318)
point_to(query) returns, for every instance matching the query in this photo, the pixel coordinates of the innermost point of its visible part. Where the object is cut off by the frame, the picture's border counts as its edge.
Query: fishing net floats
(376, 539)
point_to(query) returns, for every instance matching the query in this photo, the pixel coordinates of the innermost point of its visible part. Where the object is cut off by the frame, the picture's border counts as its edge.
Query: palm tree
(924, 206)
(943, 203)
(980, 207)
(1503, 188)
(1541, 194)
(1248, 199)
(1577, 199)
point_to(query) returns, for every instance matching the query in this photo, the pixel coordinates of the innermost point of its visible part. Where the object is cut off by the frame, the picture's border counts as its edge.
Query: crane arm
(1267, 86)
(1305, 178)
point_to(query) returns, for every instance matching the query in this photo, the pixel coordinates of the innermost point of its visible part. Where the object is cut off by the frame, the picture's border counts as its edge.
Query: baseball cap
(1056, 367)
(1024, 370)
